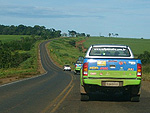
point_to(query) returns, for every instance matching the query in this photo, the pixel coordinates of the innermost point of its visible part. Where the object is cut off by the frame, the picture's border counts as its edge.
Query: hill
(138, 46)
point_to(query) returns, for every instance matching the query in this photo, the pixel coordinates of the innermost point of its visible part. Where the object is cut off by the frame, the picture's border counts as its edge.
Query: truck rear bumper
(121, 81)
(127, 85)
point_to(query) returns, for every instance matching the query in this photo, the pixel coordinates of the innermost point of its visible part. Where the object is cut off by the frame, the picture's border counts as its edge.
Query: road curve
(58, 92)
(42, 94)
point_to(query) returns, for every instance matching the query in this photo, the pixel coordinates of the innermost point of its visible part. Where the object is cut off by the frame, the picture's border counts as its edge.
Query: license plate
(112, 84)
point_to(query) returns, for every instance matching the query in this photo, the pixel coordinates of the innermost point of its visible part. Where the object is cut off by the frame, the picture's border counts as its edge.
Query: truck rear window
(110, 51)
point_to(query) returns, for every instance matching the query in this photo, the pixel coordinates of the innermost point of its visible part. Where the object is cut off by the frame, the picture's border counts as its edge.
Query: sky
(128, 18)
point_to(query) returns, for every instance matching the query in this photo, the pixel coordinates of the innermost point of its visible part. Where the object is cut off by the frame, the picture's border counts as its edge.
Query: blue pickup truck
(110, 69)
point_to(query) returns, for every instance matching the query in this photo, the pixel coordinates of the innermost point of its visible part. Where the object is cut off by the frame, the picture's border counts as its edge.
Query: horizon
(80, 32)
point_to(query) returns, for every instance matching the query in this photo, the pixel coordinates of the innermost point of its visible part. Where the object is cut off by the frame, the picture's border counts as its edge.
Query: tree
(82, 34)
(145, 57)
(72, 33)
(109, 34)
(116, 34)
(112, 34)
(88, 35)
(21, 30)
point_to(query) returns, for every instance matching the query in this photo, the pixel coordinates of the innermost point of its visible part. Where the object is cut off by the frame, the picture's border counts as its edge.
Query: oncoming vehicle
(67, 68)
(111, 69)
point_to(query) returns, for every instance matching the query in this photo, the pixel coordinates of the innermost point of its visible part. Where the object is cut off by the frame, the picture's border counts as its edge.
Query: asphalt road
(101, 103)
(40, 94)
(58, 92)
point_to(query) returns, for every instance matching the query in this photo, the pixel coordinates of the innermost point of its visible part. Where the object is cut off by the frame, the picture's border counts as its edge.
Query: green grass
(138, 46)
(7, 38)
(64, 53)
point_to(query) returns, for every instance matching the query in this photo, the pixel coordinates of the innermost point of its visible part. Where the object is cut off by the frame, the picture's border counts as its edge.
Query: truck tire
(135, 93)
(84, 97)
(135, 98)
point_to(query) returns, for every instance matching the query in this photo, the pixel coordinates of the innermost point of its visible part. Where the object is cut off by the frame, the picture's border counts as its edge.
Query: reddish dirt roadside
(80, 43)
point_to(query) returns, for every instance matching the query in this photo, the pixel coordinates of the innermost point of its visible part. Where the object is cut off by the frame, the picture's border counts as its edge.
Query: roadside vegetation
(19, 49)
(63, 52)
(24, 68)
(145, 58)
(19, 57)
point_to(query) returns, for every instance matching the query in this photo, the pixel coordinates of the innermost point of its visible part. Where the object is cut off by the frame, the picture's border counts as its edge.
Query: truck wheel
(135, 98)
(84, 97)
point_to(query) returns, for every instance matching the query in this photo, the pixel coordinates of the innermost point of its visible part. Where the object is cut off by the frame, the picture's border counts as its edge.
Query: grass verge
(63, 51)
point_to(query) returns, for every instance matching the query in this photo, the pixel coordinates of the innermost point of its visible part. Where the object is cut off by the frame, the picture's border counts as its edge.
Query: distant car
(67, 68)
(78, 66)
(81, 58)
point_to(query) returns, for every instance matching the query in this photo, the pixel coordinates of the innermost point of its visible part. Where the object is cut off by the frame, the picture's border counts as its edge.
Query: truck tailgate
(112, 68)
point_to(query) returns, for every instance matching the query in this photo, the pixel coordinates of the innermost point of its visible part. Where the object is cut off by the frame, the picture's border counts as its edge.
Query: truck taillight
(76, 65)
(139, 70)
(85, 69)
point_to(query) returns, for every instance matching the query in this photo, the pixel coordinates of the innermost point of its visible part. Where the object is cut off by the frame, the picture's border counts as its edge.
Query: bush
(72, 42)
(65, 54)
(145, 58)
(146, 69)
(80, 48)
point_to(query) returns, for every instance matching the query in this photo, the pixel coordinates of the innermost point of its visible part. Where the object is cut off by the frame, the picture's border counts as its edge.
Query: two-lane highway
(39, 94)
(58, 92)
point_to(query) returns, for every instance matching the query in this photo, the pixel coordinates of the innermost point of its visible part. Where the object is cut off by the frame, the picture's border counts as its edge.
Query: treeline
(28, 30)
(73, 33)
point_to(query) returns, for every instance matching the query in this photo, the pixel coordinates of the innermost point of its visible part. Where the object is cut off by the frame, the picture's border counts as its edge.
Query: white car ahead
(67, 68)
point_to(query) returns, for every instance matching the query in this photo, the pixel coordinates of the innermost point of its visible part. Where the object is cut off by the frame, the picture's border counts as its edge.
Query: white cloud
(40, 12)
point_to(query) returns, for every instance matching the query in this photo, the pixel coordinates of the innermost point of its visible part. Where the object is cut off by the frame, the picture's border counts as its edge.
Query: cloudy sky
(128, 18)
